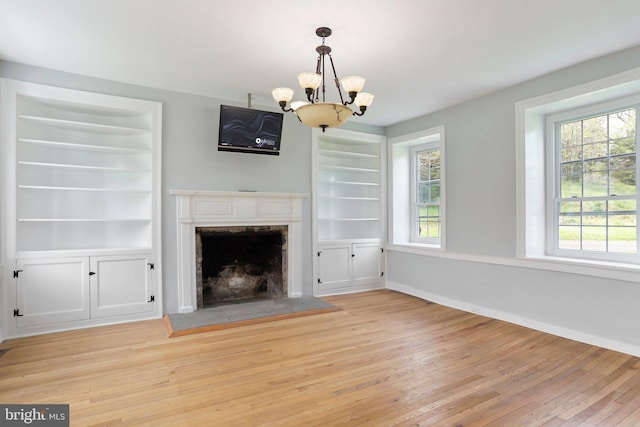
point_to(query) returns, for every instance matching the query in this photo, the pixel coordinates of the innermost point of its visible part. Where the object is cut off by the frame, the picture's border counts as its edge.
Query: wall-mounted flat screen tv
(249, 131)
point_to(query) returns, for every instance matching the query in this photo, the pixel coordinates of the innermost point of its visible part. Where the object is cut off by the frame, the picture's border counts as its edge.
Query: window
(542, 208)
(594, 176)
(425, 209)
(417, 189)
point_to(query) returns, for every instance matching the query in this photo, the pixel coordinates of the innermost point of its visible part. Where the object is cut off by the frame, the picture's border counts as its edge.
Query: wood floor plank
(385, 359)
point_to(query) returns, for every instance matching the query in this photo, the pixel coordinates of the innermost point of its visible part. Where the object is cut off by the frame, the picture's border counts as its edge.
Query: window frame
(553, 179)
(414, 235)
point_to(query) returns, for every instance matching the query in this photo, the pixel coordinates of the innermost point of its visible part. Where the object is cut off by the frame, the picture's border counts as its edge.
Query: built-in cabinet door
(121, 285)
(334, 267)
(348, 267)
(51, 290)
(366, 263)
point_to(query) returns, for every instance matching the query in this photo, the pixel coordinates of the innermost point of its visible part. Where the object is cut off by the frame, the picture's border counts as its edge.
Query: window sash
(424, 219)
(593, 223)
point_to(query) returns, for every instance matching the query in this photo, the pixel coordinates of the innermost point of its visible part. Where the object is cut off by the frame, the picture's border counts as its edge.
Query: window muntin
(595, 191)
(426, 194)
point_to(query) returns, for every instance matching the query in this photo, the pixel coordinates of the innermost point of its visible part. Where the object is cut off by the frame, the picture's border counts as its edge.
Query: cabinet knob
(91, 273)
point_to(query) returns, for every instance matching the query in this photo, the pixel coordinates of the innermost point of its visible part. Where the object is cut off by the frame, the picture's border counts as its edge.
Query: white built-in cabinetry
(81, 219)
(349, 200)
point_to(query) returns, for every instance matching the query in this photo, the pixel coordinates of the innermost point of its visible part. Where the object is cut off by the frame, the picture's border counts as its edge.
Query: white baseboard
(347, 290)
(515, 319)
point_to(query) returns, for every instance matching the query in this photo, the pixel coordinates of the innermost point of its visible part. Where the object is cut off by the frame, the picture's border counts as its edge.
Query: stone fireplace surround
(240, 263)
(196, 208)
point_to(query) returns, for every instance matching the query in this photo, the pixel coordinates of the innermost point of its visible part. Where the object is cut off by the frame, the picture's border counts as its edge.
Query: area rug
(242, 314)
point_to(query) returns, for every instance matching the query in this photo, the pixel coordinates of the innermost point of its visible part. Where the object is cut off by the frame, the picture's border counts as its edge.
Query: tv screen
(249, 131)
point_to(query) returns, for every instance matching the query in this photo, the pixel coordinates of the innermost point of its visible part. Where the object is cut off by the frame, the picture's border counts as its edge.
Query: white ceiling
(418, 56)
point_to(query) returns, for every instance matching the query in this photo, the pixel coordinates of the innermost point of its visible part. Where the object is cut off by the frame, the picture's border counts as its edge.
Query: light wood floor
(385, 359)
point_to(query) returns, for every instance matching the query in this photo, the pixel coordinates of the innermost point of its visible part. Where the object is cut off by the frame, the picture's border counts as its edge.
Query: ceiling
(418, 56)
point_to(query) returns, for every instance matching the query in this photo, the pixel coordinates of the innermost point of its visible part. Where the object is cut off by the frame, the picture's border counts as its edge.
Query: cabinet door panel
(122, 285)
(52, 291)
(366, 263)
(334, 267)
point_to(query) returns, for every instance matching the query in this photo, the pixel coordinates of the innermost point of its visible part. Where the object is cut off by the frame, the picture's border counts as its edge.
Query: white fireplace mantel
(197, 208)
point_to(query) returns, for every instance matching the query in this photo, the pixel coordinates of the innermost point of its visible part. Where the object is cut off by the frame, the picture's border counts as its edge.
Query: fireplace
(236, 213)
(240, 263)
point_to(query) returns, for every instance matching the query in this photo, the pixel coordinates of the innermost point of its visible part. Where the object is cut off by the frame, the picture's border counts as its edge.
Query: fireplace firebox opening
(240, 263)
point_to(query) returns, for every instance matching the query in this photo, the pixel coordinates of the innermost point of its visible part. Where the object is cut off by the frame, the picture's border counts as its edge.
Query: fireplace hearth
(240, 263)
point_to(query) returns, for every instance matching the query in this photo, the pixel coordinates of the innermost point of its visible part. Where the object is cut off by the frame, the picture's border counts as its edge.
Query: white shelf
(116, 190)
(351, 183)
(85, 147)
(84, 219)
(84, 126)
(85, 167)
(349, 168)
(339, 153)
(350, 198)
(349, 219)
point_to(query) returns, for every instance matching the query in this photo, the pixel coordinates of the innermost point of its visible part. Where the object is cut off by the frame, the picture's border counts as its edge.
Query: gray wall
(190, 159)
(481, 225)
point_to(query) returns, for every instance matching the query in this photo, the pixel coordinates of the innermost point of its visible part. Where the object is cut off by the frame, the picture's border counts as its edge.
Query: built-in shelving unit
(349, 210)
(84, 174)
(81, 178)
(349, 186)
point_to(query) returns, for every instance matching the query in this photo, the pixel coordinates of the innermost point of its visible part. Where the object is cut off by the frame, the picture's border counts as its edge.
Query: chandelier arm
(363, 108)
(283, 105)
(335, 78)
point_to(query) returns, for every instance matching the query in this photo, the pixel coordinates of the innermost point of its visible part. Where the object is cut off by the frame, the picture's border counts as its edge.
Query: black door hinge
(16, 313)
(152, 298)
(381, 273)
(16, 273)
(151, 265)
(382, 250)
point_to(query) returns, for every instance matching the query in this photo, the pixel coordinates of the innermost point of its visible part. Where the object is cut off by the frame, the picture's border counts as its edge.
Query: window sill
(416, 248)
(607, 270)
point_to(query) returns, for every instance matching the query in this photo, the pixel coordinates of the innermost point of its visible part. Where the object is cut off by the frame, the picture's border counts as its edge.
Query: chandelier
(316, 112)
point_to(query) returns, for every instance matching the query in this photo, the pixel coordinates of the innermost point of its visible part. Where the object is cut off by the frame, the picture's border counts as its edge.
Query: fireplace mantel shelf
(201, 208)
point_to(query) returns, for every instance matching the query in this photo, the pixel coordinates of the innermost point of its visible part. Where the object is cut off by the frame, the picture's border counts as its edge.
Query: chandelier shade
(309, 80)
(352, 84)
(324, 114)
(316, 111)
(363, 99)
(282, 94)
